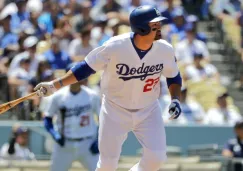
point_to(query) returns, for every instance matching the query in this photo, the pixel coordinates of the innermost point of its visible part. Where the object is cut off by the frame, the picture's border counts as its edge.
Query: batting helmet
(141, 16)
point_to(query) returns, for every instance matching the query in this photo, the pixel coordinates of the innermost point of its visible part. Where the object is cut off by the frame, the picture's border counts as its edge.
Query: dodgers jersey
(80, 108)
(127, 80)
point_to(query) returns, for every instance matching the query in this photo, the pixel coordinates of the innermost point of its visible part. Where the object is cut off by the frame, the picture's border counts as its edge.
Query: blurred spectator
(42, 68)
(176, 28)
(223, 113)
(114, 25)
(21, 76)
(240, 23)
(167, 12)
(20, 16)
(63, 32)
(30, 44)
(49, 17)
(32, 27)
(223, 8)
(8, 40)
(108, 7)
(80, 47)
(192, 111)
(83, 19)
(129, 5)
(100, 33)
(4, 63)
(193, 6)
(186, 48)
(193, 19)
(201, 70)
(57, 58)
(17, 148)
(234, 147)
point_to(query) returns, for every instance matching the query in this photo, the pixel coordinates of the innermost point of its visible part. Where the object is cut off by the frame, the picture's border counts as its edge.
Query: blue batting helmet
(141, 16)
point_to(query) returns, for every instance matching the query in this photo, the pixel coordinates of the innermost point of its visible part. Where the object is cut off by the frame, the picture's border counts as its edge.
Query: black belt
(78, 139)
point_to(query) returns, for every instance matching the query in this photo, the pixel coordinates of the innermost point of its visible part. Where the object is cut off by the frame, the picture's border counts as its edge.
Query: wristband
(52, 87)
(60, 82)
(175, 100)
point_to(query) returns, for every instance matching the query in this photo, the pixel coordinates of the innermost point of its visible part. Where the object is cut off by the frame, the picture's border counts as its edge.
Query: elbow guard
(82, 70)
(175, 80)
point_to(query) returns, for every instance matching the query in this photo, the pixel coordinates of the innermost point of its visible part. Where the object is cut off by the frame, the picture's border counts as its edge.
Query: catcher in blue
(133, 64)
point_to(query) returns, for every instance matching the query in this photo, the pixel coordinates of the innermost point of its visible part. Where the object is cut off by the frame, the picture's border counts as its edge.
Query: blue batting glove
(58, 138)
(174, 109)
(94, 147)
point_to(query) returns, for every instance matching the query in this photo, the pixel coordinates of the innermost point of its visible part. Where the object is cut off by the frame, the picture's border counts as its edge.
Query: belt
(78, 139)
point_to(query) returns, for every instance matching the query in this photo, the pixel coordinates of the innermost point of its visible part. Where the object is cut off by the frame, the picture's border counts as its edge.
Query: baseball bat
(6, 106)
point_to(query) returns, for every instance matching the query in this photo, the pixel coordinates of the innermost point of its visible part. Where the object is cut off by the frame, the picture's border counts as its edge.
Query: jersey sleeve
(170, 69)
(52, 106)
(98, 58)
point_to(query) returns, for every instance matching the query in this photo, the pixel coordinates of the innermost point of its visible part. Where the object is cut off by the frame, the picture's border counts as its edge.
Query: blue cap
(191, 18)
(21, 130)
(177, 12)
(197, 55)
(189, 27)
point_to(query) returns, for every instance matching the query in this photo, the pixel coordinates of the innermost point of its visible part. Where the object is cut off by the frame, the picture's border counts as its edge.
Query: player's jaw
(156, 30)
(158, 35)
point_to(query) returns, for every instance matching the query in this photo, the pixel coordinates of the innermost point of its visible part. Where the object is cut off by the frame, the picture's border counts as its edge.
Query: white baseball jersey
(80, 108)
(127, 80)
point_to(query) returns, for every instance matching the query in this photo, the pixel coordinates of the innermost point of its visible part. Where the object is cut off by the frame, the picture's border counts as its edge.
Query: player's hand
(45, 89)
(174, 109)
(94, 147)
(59, 138)
(61, 141)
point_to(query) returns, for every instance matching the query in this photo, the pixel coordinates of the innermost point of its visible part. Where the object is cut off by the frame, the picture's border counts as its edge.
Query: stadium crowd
(40, 38)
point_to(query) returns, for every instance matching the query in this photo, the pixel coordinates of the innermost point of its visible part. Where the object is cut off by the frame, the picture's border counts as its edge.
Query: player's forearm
(174, 85)
(175, 91)
(67, 79)
(79, 72)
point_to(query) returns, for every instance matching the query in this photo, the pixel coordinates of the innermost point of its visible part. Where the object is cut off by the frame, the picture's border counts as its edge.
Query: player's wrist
(175, 100)
(53, 86)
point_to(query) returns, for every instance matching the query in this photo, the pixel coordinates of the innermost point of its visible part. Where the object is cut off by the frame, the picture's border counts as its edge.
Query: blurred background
(40, 38)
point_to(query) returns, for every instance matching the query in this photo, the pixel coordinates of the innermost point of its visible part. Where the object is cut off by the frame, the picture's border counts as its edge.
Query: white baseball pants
(62, 157)
(146, 124)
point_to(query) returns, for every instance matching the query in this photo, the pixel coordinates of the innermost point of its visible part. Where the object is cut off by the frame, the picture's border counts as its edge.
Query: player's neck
(143, 42)
(75, 89)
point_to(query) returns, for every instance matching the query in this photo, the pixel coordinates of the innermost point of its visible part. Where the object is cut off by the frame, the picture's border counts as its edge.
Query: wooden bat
(6, 106)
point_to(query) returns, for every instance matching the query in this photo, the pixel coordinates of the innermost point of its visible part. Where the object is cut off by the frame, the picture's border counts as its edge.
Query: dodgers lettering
(76, 111)
(141, 72)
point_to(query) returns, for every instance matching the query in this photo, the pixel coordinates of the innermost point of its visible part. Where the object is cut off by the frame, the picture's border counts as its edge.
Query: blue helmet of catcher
(141, 16)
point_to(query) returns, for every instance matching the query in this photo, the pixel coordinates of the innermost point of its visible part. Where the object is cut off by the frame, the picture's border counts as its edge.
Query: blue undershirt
(141, 53)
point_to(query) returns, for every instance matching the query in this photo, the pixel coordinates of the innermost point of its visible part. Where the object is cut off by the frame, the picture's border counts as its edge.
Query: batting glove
(94, 147)
(58, 138)
(45, 89)
(175, 109)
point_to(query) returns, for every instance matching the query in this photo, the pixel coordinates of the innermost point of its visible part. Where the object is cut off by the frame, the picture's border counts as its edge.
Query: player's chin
(158, 36)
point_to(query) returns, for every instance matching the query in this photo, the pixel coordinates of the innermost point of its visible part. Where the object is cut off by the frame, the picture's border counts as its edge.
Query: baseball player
(133, 64)
(76, 135)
